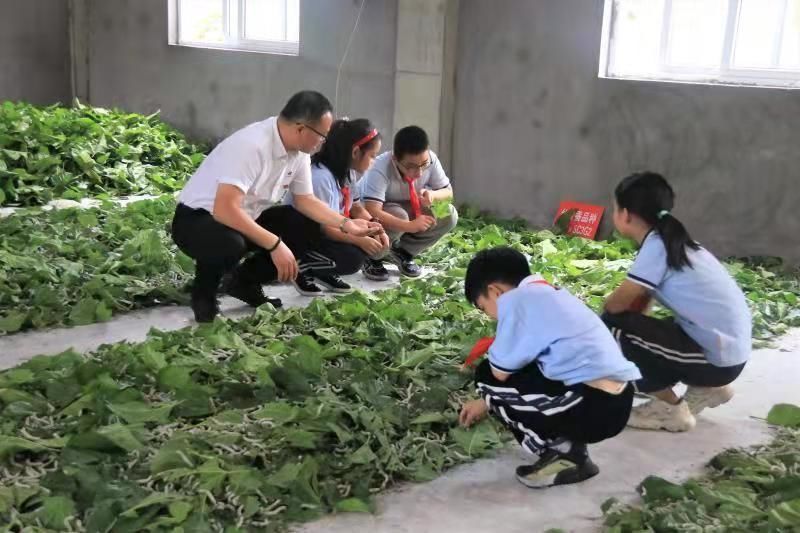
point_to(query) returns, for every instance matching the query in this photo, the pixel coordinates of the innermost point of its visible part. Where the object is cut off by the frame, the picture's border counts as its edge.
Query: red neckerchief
(346, 194)
(416, 209)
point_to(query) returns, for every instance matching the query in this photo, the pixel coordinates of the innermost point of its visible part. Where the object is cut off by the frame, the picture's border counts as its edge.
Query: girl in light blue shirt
(707, 343)
(349, 151)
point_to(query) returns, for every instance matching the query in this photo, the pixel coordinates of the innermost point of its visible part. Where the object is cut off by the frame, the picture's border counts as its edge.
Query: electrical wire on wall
(344, 57)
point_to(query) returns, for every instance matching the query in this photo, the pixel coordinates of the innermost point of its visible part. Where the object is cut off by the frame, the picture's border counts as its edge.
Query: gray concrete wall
(34, 51)
(534, 125)
(209, 93)
(419, 65)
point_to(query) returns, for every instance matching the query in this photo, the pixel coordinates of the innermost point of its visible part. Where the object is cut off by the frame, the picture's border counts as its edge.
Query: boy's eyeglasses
(424, 166)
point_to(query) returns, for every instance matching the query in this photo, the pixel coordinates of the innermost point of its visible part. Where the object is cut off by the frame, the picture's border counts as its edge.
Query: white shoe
(700, 398)
(657, 414)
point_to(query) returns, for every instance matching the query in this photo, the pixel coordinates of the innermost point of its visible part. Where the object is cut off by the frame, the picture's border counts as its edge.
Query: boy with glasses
(398, 191)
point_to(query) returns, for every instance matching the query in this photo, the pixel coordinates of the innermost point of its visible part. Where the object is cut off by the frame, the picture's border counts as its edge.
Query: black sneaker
(305, 285)
(205, 308)
(374, 270)
(334, 284)
(250, 293)
(558, 468)
(405, 262)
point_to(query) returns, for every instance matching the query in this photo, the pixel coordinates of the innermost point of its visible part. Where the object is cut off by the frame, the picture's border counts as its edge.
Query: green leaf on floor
(353, 505)
(116, 438)
(140, 412)
(12, 321)
(478, 439)
(784, 414)
(441, 208)
(654, 489)
(55, 510)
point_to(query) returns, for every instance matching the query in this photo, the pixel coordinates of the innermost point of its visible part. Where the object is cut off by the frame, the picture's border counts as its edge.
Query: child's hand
(370, 245)
(421, 223)
(472, 412)
(640, 303)
(426, 198)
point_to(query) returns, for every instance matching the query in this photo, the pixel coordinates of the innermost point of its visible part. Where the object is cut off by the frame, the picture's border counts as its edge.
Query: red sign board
(585, 221)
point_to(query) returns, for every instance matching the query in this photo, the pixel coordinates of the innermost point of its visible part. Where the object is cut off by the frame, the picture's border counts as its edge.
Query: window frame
(235, 38)
(726, 74)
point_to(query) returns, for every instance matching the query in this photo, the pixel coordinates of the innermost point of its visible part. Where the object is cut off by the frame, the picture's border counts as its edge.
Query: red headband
(366, 138)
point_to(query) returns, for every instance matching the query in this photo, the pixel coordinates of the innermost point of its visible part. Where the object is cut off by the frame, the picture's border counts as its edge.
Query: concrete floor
(479, 496)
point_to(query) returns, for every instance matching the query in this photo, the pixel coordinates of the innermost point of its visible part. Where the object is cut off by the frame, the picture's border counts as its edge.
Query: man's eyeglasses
(322, 135)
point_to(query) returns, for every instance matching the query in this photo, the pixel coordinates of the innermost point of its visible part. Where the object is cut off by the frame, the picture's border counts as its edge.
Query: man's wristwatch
(341, 226)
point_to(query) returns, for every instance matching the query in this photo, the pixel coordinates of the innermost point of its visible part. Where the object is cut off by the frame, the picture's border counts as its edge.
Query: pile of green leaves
(745, 490)
(80, 266)
(82, 151)
(592, 269)
(277, 418)
(280, 417)
(115, 258)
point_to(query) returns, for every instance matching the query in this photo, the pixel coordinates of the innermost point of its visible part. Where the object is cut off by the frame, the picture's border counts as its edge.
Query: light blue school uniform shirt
(705, 299)
(383, 183)
(327, 189)
(549, 326)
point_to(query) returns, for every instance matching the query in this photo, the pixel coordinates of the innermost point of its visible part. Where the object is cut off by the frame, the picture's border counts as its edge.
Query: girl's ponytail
(649, 196)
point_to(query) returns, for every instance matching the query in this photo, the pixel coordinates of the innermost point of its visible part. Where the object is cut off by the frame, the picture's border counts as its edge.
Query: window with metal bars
(270, 26)
(731, 42)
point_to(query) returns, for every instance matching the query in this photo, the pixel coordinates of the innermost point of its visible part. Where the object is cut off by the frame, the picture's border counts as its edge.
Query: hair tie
(661, 214)
(366, 138)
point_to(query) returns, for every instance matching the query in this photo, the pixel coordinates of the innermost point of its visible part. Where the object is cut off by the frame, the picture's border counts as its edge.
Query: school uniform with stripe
(709, 340)
(552, 344)
(332, 257)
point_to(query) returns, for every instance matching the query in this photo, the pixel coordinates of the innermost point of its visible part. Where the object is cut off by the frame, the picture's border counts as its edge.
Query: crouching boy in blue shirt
(555, 376)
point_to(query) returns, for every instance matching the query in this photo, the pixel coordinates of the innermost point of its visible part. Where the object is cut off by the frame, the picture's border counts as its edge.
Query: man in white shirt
(232, 206)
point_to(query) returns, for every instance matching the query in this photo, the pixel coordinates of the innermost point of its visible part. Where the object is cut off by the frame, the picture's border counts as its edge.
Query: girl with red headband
(348, 152)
